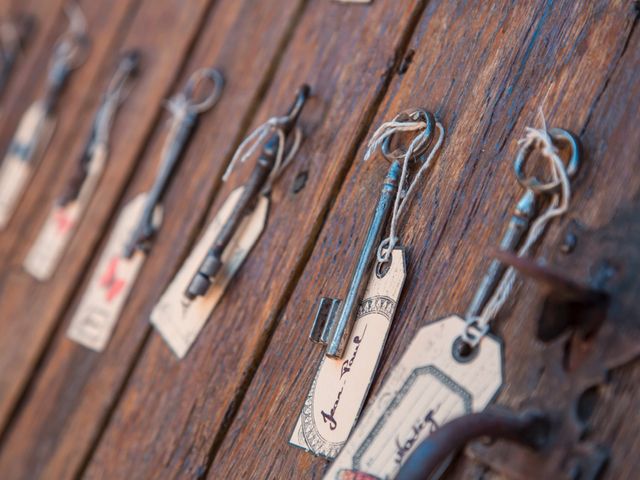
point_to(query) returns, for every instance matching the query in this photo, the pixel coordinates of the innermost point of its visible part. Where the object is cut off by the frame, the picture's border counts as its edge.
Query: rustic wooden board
(486, 79)
(25, 306)
(172, 412)
(78, 387)
(29, 309)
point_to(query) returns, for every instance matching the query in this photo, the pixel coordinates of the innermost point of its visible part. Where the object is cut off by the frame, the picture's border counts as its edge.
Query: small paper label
(110, 283)
(19, 161)
(58, 229)
(179, 321)
(341, 385)
(428, 388)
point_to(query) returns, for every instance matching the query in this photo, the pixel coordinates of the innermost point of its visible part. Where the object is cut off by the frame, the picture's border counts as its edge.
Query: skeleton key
(37, 123)
(334, 319)
(447, 371)
(13, 38)
(181, 128)
(212, 263)
(58, 229)
(525, 211)
(132, 236)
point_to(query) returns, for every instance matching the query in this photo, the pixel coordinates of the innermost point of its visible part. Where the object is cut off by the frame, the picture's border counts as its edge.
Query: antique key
(38, 122)
(66, 213)
(132, 236)
(334, 319)
(181, 127)
(453, 366)
(212, 263)
(525, 211)
(13, 37)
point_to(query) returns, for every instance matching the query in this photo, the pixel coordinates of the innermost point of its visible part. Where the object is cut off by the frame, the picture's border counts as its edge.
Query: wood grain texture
(172, 413)
(228, 409)
(485, 72)
(31, 310)
(18, 290)
(78, 387)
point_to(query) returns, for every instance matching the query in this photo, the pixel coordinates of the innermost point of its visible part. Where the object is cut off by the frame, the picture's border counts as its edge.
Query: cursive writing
(347, 364)
(330, 417)
(403, 447)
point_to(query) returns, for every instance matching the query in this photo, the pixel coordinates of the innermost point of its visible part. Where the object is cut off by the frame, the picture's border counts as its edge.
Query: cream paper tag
(428, 388)
(57, 231)
(110, 284)
(341, 385)
(31, 137)
(179, 321)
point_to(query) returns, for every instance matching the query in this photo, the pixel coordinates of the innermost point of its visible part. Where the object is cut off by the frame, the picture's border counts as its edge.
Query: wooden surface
(227, 409)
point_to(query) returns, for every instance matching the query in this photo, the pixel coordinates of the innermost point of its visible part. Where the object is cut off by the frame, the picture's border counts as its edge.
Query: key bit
(212, 263)
(334, 319)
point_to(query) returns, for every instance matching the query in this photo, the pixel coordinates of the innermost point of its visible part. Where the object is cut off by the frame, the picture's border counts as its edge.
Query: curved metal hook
(410, 116)
(530, 428)
(212, 75)
(561, 137)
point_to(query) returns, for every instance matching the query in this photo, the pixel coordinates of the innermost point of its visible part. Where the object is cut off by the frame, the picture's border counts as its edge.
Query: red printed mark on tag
(110, 281)
(63, 221)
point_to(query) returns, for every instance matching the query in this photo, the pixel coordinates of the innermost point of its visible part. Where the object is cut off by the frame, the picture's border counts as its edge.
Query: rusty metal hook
(530, 428)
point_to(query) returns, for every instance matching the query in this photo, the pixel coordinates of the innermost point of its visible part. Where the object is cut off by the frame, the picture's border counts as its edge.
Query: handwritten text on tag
(427, 389)
(110, 283)
(341, 385)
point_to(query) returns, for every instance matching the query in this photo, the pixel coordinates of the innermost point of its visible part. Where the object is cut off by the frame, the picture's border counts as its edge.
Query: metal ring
(216, 78)
(410, 116)
(560, 136)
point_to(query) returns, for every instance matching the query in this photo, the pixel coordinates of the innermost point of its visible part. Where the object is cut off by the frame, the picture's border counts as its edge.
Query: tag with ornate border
(112, 280)
(56, 233)
(180, 321)
(428, 388)
(340, 386)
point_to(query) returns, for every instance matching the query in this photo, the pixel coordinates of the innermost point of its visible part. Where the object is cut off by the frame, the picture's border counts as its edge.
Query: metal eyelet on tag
(134, 232)
(197, 288)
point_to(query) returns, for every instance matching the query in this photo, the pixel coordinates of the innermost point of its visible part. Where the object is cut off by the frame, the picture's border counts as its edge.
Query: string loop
(421, 122)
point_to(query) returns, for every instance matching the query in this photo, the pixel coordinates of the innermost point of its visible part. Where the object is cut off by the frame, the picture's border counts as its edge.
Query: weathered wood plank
(77, 387)
(29, 309)
(485, 71)
(173, 413)
(25, 304)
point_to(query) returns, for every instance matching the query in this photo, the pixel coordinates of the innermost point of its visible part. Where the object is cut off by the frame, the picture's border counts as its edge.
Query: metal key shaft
(212, 263)
(334, 320)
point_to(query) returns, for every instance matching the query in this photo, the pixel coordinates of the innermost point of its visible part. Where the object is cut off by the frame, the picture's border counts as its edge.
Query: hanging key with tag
(133, 234)
(37, 124)
(58, 229)
(14, 35)
(355, 330)
(453, 366)
(196, 289)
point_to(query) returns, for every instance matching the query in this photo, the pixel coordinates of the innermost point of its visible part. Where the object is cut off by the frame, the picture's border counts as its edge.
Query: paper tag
(57, 231)
(178, 321)
(341, 385)
(110, 284)
(32, 135)
(427, 389)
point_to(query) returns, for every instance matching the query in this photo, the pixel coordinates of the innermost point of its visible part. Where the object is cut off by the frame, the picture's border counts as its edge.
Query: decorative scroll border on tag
(427, 389)
(179, 321)
(340, 386)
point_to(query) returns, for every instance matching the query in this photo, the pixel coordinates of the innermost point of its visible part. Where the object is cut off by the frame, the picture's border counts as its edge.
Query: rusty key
(212, 263)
